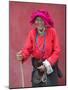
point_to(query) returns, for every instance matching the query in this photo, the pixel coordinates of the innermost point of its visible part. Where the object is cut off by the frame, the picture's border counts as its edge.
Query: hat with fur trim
(44, 15)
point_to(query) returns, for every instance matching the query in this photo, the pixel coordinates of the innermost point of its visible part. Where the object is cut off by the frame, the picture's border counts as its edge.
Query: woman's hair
(44, 15)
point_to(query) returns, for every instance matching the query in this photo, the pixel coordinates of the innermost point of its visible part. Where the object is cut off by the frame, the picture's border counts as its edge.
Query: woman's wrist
(48, 66)
(19, 56)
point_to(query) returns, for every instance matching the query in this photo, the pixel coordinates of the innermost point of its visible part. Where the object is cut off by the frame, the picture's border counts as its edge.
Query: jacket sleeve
(56, 49)
(26, 51)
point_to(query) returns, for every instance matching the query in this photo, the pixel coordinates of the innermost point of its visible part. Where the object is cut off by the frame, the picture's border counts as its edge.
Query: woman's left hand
(41, 68)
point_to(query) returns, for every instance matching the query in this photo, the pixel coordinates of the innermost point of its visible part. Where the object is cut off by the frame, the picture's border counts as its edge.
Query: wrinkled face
(39, 24)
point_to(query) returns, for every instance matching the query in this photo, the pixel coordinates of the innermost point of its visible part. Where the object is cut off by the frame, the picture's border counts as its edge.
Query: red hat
(44, 15)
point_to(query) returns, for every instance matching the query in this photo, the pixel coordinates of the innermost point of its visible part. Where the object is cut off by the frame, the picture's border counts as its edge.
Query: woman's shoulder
(32, 32)
(52, 30)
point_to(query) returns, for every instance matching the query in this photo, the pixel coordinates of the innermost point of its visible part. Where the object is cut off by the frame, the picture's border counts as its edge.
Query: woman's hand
(41, 68)
(19, 56)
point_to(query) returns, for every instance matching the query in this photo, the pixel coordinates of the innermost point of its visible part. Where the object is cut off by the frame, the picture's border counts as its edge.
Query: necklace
(41, 49)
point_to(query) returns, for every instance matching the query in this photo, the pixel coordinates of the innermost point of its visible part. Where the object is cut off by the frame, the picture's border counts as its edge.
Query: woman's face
(39, 24)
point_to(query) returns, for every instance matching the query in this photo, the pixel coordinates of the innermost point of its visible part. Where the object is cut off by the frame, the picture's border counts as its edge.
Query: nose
(38, 23)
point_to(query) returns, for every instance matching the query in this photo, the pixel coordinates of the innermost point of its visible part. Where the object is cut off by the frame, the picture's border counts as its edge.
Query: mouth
(41, 29)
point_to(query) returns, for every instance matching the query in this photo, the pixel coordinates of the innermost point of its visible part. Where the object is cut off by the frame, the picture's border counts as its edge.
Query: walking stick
(22, 73)
(21, 70)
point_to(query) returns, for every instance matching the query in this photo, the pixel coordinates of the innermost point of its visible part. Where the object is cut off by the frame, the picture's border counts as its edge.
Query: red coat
(51, 50)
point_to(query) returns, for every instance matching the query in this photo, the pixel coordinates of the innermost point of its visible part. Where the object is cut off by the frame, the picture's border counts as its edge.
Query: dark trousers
(52, 80)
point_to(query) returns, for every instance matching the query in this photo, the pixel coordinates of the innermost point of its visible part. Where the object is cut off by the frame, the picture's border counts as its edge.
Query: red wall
(20, 13)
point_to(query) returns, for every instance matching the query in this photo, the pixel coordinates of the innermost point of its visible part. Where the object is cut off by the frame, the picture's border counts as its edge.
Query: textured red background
(20, 13)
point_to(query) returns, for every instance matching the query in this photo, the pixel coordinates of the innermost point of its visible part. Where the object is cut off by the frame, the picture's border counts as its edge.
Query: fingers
(19, 56)
(19, 52)
(41, 67)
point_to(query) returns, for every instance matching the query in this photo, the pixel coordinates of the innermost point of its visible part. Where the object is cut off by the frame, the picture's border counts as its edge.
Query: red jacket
(51, 50)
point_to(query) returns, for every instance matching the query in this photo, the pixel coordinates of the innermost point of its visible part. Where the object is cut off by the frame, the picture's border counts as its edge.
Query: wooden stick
(22, 74)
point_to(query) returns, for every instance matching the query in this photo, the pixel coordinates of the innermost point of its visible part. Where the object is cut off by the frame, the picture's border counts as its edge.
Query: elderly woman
(42, 43)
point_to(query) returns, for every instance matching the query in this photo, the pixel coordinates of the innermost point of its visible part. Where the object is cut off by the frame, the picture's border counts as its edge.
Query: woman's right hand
(19, 57)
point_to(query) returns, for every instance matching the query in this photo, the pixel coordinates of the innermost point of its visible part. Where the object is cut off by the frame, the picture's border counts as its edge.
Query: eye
(39, 19)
